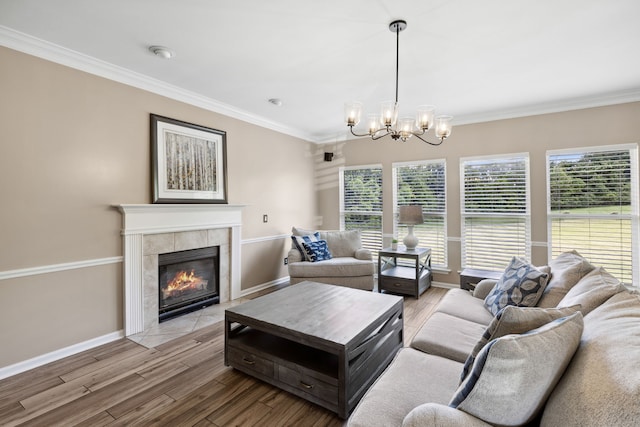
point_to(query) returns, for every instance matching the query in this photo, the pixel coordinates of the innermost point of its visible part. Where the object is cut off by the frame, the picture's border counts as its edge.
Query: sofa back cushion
(601, 386)
(521, 284)
(592, 290)
(566, 270)
(513, 375)
(342, 243)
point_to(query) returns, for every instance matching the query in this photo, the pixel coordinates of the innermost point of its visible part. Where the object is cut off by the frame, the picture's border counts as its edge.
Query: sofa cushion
(337, 266)
(514, 320)
(342, 243)
(513, 375)
(448, 336)
(592, 290)
(412, 378)
(566, 270)
(521, 284)
(601, 386)
(299, 242)
(437, 415)
(460, 303)
(316, 251)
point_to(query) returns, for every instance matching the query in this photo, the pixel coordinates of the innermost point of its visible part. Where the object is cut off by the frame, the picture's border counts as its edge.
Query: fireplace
(153, 229)
(187, 281)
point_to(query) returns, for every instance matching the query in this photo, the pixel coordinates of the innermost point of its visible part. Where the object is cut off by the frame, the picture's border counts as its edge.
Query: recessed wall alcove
(150, 230)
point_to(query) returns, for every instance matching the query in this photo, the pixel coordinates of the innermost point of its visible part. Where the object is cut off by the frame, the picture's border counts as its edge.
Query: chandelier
(387, 123)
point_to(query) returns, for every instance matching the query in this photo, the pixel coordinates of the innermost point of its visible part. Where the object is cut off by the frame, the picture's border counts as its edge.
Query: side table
(404, 279)
(469, 277)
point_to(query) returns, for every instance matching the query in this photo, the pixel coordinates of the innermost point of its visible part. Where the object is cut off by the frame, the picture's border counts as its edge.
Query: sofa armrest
(294, 256)
(483, 288)
(363, 254)
(435, 414)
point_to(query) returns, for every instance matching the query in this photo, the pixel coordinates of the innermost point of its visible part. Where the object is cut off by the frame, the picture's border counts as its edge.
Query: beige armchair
(350, 265)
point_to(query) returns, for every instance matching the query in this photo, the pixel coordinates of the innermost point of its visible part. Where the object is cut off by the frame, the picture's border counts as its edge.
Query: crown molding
(580, 103)
(34, 46)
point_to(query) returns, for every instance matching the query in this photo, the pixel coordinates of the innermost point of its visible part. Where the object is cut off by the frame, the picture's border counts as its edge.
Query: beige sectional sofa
(350, 265)
(571, 360)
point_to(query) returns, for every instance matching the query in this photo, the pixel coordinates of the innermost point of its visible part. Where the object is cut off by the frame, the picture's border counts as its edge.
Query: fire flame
(182, 282)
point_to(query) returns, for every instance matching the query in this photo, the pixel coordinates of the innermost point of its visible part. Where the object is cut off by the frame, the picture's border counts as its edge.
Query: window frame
(342, 211)
(633, 216)
(444, 250)
(464, 215)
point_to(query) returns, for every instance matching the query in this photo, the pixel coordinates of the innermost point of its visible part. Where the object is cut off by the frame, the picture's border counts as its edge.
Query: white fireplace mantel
(144, 219)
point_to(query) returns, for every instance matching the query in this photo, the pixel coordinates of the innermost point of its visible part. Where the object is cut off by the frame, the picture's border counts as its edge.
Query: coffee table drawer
(308, 384)
(242, 360)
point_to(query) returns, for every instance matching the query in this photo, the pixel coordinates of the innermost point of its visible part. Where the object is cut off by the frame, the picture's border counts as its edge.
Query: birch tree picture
(190, 163)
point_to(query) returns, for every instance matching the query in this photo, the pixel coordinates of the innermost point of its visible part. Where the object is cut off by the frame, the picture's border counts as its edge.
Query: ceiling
(475, 60)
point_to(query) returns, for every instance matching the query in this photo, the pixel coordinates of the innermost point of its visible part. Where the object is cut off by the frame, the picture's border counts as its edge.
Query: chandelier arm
(375, 136)
(428, 142)
(355, 134)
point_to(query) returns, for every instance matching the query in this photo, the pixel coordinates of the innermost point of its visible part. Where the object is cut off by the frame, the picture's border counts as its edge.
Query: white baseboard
(445, 285)
(264, 286)
(37, 361)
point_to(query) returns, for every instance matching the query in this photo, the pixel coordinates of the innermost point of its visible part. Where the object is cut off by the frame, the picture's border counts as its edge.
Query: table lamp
(410, 215)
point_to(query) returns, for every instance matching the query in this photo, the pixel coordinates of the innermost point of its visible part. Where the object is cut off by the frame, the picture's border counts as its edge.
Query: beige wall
(619, 124)
(74, 144)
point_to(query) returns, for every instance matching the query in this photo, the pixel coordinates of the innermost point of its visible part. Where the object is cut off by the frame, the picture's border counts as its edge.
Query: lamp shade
(410, 215)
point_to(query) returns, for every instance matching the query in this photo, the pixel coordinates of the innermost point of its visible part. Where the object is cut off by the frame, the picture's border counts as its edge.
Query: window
(361, 204)
(593, 207)
(495, 212)
(423, 183)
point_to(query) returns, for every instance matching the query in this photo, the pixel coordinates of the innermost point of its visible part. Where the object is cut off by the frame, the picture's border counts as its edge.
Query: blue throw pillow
(317, 251)
(521, 284)
(298, 241)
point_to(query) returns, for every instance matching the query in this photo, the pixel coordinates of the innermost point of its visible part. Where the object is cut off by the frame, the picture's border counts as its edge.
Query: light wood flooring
(180, 383)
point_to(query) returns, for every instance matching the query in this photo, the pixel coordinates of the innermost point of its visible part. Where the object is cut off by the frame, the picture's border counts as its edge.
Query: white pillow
(513, 375)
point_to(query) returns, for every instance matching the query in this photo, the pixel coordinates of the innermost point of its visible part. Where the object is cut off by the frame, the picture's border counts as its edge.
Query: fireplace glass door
(188, 280)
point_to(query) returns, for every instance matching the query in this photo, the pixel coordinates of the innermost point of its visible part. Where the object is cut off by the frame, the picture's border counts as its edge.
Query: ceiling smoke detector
(161, 51)
(276, 101)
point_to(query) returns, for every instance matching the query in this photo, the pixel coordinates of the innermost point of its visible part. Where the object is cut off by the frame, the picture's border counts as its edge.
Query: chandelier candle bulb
(389, 113)
(374, 123)
(443, 126)
(405, 127)
(424, 119)
(352, 111)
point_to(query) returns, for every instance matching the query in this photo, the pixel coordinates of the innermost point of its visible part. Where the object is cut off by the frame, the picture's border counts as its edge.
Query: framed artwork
(189, 163)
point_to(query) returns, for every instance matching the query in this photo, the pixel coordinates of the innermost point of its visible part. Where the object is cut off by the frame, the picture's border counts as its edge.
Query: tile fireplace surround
(149, 230)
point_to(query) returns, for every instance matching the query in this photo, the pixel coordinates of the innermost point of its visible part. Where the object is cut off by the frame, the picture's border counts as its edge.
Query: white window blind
(423, 183)
(361, 204)
(592, 207)
(495, 211)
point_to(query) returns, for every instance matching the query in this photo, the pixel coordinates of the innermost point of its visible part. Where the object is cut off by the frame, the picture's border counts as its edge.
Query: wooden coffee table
(324, 343)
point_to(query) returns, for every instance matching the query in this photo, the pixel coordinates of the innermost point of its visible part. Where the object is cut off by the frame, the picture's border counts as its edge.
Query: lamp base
(410, 241)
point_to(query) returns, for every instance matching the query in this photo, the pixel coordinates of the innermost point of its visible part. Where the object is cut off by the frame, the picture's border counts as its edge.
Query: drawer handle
(396, 285)
(305, 385)
(248, 362)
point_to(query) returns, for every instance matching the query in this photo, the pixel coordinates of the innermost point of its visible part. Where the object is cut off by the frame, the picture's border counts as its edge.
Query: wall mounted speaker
(328, 157)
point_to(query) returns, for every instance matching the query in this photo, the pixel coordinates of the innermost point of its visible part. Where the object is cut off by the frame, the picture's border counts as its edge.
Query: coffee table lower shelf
(306, 372)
